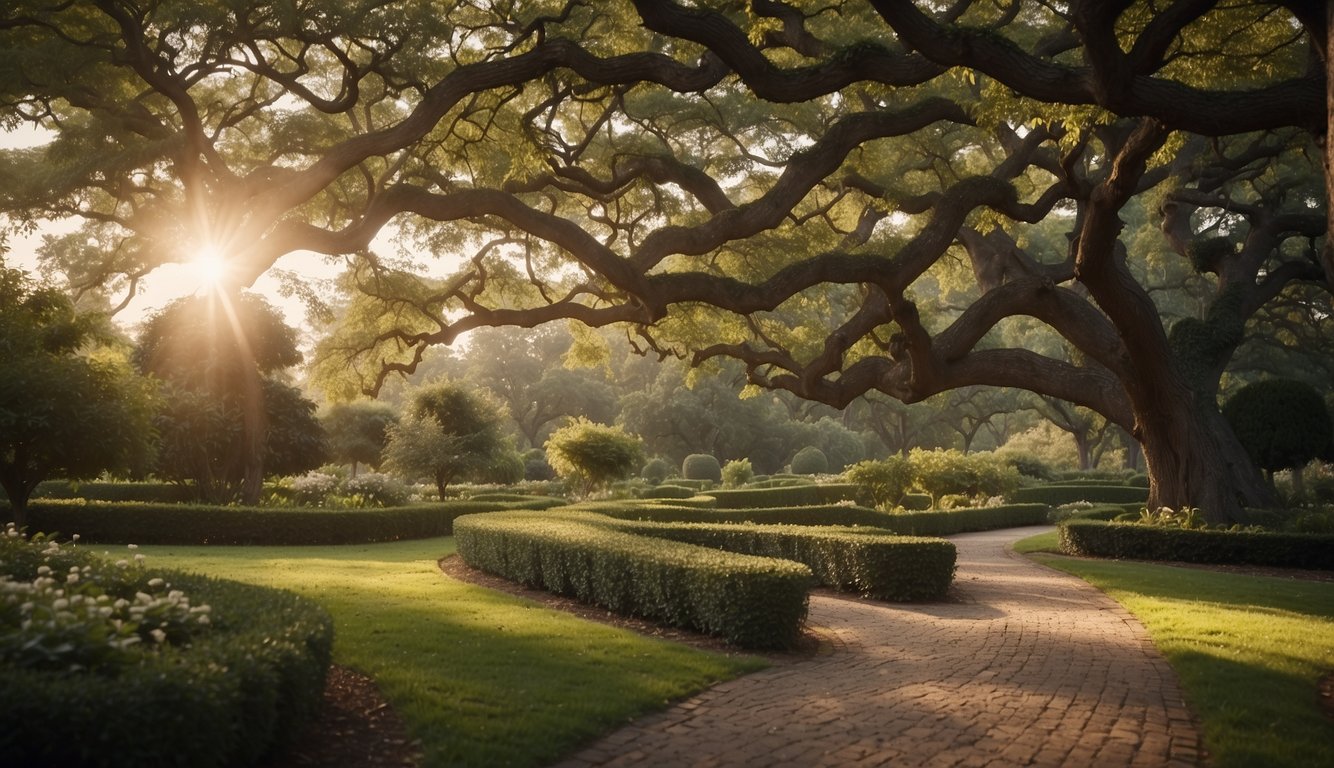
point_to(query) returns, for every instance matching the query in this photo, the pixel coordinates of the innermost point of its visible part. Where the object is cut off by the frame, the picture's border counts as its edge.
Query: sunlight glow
(210, 266)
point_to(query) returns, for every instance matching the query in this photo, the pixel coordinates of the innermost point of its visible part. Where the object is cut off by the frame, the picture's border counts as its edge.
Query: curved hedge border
(231, 698)
(1056, 495)
(878, 565)
(182, 524)
(783, 496)
(927, 523)
(753, 602)
(1095, 538)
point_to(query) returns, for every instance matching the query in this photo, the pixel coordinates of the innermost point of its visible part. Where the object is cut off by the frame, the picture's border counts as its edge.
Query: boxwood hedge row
(1096, 538)
(923, 523)
(163, 493)
(181, 524)
(783, 496)
(753, 602)
(882, 566)
(1058, 494)
(231, 698)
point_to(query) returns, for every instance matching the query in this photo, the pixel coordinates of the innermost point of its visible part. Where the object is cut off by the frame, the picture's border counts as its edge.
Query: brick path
(1026, 666)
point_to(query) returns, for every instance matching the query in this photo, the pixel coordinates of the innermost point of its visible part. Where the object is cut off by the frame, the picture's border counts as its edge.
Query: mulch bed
(355, 727)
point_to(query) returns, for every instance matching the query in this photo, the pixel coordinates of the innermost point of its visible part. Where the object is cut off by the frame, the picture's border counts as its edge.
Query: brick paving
(1024, 666)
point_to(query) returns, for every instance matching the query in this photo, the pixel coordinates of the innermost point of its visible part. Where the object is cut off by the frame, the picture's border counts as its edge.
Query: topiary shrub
(535, 466)
(737, 473)
(1283, 424)
(656, 470)
(810, 461)
(701, 466)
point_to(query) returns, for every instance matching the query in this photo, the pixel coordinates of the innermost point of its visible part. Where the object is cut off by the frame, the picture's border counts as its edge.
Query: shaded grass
(481, 678)
(1249, 651)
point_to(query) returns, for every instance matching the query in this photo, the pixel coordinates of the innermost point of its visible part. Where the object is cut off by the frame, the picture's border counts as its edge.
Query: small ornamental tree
(66, 409)
(882, 483)
(358, 432)
(590, 456)
(1283, 424)
(737, 473)
(450, 432)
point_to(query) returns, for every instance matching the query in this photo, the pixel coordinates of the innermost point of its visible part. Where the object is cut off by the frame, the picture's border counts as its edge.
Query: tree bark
(1194, 460)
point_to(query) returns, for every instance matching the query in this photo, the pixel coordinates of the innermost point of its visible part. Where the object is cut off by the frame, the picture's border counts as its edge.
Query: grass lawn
(1248, 649)
(481, 678)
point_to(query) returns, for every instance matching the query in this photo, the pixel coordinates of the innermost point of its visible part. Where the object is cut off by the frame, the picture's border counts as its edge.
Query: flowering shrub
(375, 490)
(313, 488)
(61, 610)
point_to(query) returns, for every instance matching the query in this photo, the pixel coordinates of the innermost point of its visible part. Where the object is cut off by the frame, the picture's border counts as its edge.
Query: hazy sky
(171, 281)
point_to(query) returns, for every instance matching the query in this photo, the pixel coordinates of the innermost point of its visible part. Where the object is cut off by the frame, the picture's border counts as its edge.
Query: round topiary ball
(655, 471)
(810, 461)
(701, 466)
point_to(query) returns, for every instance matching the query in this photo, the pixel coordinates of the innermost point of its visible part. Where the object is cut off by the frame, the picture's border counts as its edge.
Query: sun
(210, 266)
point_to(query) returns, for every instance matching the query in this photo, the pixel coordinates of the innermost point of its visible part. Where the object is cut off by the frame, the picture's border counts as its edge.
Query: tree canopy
(852, 198)
(69, 408)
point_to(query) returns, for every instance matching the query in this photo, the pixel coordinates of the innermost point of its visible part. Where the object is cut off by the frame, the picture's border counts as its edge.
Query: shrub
(701, 466)
(312, 488)
(1094, 538)
(373, 489)
(881, 483)
(1027, 464)
(950, 472)
(161, 687)
(750, 601)
(810, 461)
(737, 472)
(535, 466)
(656, 470)
(1283, 424)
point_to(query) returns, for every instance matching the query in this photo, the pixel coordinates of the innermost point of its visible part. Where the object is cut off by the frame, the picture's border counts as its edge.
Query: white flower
(155, 583)
(132, 546)
(159, 636)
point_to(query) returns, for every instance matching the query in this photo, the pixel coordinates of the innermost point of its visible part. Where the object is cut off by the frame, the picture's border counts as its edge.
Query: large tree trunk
(1194, 460)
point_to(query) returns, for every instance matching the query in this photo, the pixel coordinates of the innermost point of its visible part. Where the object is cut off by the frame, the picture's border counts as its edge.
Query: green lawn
(1248, 649)
(482, 678)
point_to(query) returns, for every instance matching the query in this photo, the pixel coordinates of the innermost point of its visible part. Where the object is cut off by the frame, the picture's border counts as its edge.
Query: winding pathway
(1025, 666)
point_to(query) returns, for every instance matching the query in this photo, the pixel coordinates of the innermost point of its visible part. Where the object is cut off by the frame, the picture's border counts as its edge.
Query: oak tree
(795, 187)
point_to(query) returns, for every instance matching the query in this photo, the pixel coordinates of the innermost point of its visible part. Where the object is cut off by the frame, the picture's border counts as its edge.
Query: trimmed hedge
(947, 522)
(784, 496)
(182, 524)
(927, 523)
(750, 601)
(231, 698)
(668, 491)
(881, 566)
(1055, 495)
(1094, 538)
(161, 493)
